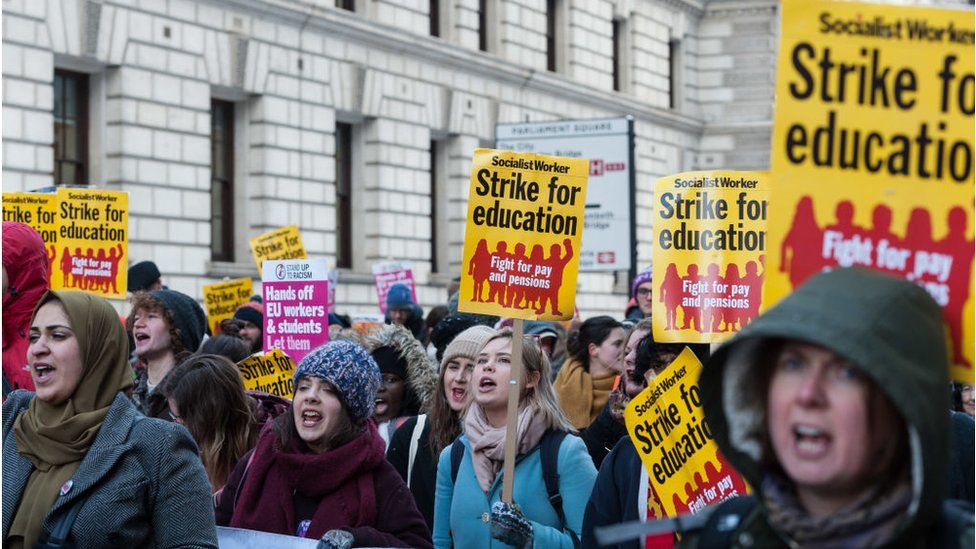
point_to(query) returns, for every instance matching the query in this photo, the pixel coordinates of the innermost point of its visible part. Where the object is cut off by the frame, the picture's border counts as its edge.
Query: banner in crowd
(666, 424)
(296, 305)
(608, 238)
(388, 273)
(39, 210)
(710, 254)
(872, 152)
(223, 298)
(270, 372)
(282, 243)
(522, 240)
(92, 242)
(239, 538)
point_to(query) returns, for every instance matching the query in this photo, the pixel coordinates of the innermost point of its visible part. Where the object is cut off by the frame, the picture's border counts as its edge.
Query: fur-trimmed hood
(421, 372)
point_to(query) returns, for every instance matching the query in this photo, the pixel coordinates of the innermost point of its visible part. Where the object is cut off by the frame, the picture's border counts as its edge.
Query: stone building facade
(352, 120)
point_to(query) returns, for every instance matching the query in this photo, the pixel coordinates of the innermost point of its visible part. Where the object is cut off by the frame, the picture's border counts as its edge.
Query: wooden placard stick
(511, 429)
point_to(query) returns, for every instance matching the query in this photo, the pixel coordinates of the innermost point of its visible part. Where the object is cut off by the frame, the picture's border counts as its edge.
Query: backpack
(549, 453)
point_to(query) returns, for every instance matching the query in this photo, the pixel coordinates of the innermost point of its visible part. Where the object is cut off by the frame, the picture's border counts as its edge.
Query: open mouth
(486, 384)
(811, 441)
(458, 394)
(381, 406)
(311, 418)
(42, 373)
(140, 336)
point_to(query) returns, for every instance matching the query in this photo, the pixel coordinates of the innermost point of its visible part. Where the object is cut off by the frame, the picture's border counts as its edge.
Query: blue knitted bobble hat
(398, 297)
(350, 369)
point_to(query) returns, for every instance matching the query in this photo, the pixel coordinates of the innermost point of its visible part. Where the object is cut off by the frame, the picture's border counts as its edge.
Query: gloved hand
(508, 525)
(336, 539)
(617, 403)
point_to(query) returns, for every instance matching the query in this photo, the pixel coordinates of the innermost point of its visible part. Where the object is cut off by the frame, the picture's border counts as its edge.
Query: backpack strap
(457, 453)
(418, 429)
(549, 453)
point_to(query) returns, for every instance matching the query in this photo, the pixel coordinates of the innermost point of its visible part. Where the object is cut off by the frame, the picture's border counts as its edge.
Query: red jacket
(26, 262)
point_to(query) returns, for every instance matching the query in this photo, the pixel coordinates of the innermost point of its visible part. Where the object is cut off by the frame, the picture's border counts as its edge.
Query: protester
(601, 435)
(205, 394)
(595, 359)
(407, 377)
(230, 347)
(400, 309)
(450, 326)
(621, 492)
(25, 279)
(167, 327)
(319, 471)
(468, 510)
(435, 315)
(833, 406)
(251, 315)
(80, 445)
(641, 294)
(545, 335)
(963, 399)
(417, 444)
(144, 277)
(962, 457)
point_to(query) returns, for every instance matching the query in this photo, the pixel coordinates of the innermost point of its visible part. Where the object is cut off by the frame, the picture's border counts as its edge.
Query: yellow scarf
(581, 395)
(56, 437)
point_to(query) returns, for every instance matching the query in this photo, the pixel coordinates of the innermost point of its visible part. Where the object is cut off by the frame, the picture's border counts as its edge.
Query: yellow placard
(666, 424)
(872, 151)
(709, 258)
(40, 211)
(269, 372)
(223, 298)
(92, 242)
(282, 243)
(523, 234)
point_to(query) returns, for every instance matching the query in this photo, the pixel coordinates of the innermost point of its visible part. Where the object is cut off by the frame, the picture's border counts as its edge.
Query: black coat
(615, 494)
(423, 480)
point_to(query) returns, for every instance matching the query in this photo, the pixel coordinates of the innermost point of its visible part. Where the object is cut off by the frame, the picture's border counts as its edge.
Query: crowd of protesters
(835, 406)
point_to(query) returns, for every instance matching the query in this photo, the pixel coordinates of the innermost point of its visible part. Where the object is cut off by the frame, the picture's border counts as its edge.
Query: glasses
(643, 292)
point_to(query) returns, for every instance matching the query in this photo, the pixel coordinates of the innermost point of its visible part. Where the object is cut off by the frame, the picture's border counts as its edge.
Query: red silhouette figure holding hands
(532, 295)
(754, 280)
(731, 315)
(479, 269)
(692, 312)
(517, 293)
(670, 294)
(496, 288)
(800, 254)
(66, 279)
(114, 257)
(556, 265)
(961, 249)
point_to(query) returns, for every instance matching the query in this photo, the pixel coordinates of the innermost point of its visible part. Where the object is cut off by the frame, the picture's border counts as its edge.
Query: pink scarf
(488, 443)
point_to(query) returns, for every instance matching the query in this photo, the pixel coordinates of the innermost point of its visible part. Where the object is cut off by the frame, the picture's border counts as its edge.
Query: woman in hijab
(80, 456)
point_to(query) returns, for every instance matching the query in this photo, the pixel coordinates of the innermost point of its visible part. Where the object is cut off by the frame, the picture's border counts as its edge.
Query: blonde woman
(468, 511)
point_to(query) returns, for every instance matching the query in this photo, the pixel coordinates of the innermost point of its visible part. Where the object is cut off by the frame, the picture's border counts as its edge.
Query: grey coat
(144, 482)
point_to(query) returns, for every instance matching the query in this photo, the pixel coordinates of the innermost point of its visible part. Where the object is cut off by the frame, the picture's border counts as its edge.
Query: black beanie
(250, 314)
(188, 317)
(141, 275)
(390, 361)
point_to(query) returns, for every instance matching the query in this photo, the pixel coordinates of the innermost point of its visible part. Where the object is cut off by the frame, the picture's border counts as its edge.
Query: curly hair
(143, 301)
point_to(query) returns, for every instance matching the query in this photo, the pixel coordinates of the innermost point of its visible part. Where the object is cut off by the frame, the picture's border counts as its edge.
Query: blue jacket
(461, 511)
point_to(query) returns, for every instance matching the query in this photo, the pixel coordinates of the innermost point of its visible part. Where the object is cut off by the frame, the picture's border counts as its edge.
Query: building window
(343, 164)
(435, 17)
(617, 53)
(674, 72)
(554, 19)
(221, 180)
(349, 5)
(483, 25)
(70, 128)
(434, 241)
